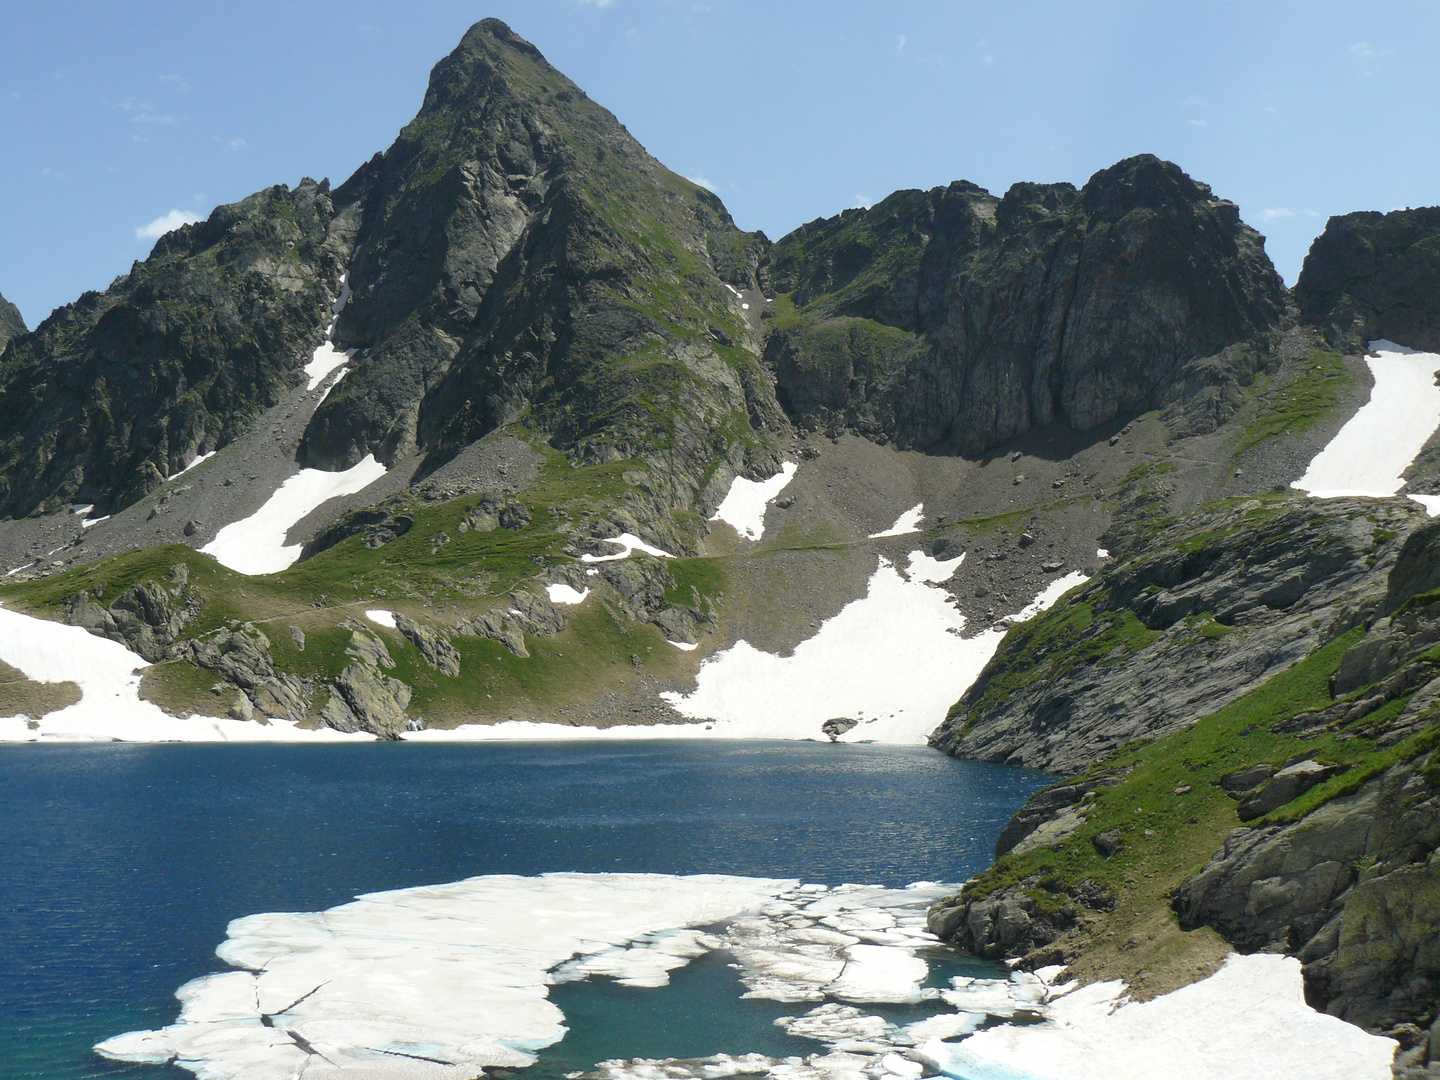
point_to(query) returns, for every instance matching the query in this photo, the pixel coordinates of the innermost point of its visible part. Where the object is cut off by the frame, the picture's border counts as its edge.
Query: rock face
(1371, 275)
(12, 323)
(1353, 889)
(121, 389)
(954, 320)
(1010, 922)
(365, 699)
(242, 658)
(520, 252)
(1228, 597)
(148, 617)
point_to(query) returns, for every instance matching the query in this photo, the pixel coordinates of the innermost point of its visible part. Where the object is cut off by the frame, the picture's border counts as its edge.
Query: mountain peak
(12, 323)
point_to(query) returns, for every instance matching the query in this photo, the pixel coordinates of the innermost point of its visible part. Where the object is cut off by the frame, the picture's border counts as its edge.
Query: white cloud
(232, 145)
(900, 48)
(162, 225)
(1197, 123)
(599, 3)
(1363, 50)
(1276, 213)
(142, 112)
(700, 181)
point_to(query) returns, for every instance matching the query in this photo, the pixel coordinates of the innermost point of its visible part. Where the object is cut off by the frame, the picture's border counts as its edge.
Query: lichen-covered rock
(524, 613)
(242, 658)
(365, 699)
(1371, 275)
(434, 646)
(368, 648)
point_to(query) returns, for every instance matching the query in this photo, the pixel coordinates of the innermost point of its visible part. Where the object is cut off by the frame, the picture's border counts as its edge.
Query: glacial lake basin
(124, 862)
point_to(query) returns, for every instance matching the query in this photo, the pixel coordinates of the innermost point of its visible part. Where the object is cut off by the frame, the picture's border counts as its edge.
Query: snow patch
(110, 706)
(1102, 553)
(685, 646)
(631, 544)
(1248, 1019)
(91, 522)
(381, 617)
(256, 544)
(906, 523)
(326, 357)
(895, 660)
(743, 507)
(566, 594)
(200, 459)
(1367, 456)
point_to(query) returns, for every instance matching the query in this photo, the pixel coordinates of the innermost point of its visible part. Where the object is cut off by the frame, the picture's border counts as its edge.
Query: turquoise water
(124, 863)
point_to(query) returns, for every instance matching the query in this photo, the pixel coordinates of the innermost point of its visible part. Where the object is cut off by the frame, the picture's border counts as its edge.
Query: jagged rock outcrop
(149, 617)
(1011, 921)
(242, 657)
(954, 320)
(113, 393)
(1353, 889)
(1200, 612)
(520, 252)
(523, 613)
(1371, 275)
(434, 646)
(12, 323)
(363, 698)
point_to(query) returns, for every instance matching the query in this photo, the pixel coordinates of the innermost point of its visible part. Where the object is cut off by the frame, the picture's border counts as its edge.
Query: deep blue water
(122, 864)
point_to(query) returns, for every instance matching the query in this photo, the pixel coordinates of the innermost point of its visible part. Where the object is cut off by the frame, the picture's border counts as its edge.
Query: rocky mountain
(550, 361)
(951, 320)
(121, 389)
(12, 323)
(1371, 275)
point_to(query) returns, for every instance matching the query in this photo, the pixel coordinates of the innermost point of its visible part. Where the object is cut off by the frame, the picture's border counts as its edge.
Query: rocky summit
(516, 427)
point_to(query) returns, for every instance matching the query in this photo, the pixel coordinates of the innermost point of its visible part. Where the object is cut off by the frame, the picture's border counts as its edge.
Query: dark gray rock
(1371, 275)
(952, 319)
(298, 637)
(113, 393)
(1353, 889)
(368, 648)
(242, 658)
(12, 323)
(1010, 921)
(1045, 806)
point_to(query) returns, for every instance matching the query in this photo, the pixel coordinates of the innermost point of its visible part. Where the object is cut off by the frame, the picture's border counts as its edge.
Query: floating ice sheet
(435, 981)
(110, 706)
(743, 508)
(256, 544)
(1367, 456)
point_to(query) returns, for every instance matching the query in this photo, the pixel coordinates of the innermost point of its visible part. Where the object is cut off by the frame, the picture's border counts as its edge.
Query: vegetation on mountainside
(1297, 404)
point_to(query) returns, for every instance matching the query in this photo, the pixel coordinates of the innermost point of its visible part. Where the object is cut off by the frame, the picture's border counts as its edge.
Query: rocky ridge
(12, 323)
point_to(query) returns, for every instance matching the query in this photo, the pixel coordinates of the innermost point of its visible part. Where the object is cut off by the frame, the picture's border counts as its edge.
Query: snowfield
(110, 707)
(256, 544)
(1368, 455)
(743, 508)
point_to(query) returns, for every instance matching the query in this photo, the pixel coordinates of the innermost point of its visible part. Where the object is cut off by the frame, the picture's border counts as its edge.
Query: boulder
(434, 646)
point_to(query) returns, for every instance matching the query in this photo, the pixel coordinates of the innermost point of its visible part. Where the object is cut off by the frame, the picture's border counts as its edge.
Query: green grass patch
(1294, 408)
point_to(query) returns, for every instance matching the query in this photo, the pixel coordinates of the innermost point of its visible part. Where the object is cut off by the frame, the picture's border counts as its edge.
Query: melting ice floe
(444, 980)
(327, 357)
(629, 543)
(1378, 443)
(906, 523)
(256, 544)
(895, 660)
(110, 706)
(743, 507)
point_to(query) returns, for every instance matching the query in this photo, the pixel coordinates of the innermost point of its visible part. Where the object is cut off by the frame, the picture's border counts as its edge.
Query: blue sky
(115, 115)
